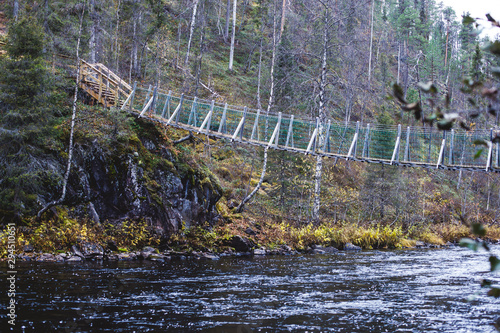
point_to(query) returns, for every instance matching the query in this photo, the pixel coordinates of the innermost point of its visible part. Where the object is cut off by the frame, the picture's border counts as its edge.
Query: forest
(331, 59)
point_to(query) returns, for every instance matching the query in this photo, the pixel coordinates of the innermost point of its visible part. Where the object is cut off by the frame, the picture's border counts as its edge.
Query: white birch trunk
(271, 89)
(399, 61)
(317, 188)
(259, 74)
(283, 17)
(322, 119)
(72, 130)
(371, 45)
(15, 10)
(116, 36)
(191, 31)
(228, 15)
(231, 52)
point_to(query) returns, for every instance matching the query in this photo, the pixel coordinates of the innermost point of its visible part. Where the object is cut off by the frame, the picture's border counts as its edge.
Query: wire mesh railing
(389, 144)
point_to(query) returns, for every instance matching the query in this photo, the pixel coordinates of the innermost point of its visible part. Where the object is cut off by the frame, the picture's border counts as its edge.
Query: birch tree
(231, 52)
(322, 119)
(72, 129)
(191, 31)
(228, 14)
(371, 44)
(15, 10)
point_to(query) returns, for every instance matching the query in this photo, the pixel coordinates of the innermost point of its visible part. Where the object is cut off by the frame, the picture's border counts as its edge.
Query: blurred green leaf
(493, 47)
(486, 283)
(464, 126)
(398, 93)
(481, 142)
(411, 106)
(494, 292)
(478, 229)
(495, 263)
(469, 243)
(495, 71)
(478, 153)
(445, 124)
(428, 87)
(467, 20)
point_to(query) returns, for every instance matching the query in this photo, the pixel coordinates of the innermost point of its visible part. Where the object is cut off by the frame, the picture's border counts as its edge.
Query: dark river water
(371, 291)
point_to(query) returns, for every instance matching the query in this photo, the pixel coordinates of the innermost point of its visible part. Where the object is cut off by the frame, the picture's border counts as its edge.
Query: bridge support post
(490, 152)
(312, 141)
(352, 149)
(255, 126)
(497, 164)
(155, 97)
(407, 145)
(208, 119)
(176, 112)
(245, 110)
(441, 151)
(366, 147)
(166, 107)
(290, 132)
(147, 105)
(192, 114)
(395, 153)
(318, 134)
(147, 97)
(130, 98)
(326, 146)
(275, 137)
(222, 125)
(452, 140)
(239, 129)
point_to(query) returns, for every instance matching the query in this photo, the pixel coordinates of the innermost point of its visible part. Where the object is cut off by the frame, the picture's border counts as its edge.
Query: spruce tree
(26, 119)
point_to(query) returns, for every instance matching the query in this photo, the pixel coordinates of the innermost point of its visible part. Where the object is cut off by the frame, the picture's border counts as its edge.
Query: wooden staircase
(103, 85)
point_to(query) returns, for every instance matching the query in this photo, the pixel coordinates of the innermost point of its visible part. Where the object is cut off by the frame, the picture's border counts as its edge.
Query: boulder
(241, 244)
(146, 252)
(208, 256)
(259, 252)
(74, 258)
(126, 256)
(419, 244)
(250, 231)
(91, 250)
(46, 257)
(112, 246)
(351, 247)
(330, 249)
(158, 257)
(77, 252)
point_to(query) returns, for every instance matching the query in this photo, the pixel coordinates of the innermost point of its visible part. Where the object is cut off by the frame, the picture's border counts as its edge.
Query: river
(369, 291)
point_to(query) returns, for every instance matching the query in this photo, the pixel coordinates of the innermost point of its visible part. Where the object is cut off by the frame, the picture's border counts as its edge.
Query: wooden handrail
(89, 70)
(115, 82)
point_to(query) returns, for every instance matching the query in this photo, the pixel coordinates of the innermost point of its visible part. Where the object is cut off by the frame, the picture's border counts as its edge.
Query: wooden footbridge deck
(393, 145)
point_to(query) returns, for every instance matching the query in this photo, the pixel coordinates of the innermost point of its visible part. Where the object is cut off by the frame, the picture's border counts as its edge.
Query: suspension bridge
(408, 146)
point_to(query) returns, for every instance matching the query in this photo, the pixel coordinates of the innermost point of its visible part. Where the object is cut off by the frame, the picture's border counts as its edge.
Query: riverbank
(67, 239)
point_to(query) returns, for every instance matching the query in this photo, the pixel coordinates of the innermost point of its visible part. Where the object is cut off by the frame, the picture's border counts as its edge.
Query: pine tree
(476, 68)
